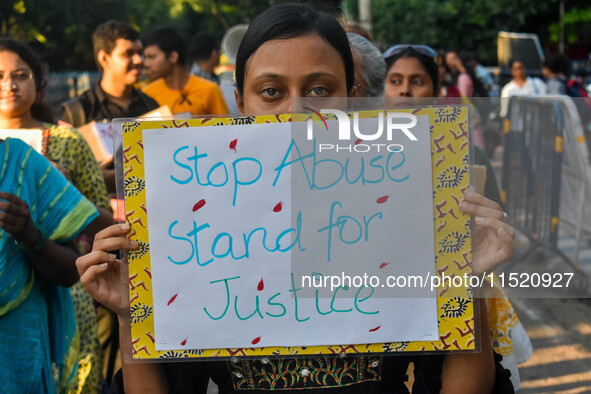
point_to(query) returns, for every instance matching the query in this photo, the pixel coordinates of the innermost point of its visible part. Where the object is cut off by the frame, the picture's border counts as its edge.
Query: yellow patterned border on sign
(449, 151)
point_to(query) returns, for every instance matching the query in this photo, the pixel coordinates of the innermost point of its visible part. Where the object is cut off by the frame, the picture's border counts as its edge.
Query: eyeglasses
(18, 76)
(420, 49)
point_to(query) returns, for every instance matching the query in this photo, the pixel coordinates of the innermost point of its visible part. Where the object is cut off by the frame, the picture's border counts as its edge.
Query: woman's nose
(405, 89)
(8, 83)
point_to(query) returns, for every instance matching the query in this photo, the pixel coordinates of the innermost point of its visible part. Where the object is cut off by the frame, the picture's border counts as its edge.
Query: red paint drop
(382, 199)
(183, 343)
(359, 141)
(233, 144)
(172, 299)
(383, 265)
(256, 340)
(278, 207)
(261, 285)
(199, 204)
(375, 329)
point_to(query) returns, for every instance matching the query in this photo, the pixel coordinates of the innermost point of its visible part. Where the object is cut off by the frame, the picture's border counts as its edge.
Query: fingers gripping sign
(100, 271)
(493, 241)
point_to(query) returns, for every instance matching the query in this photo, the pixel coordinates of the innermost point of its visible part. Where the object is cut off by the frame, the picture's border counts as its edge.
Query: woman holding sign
(40, 213)
(22, 108)
(412, 72)
(292, 51)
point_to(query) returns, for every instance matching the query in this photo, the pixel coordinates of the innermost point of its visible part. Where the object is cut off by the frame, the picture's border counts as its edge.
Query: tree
(453, 24)
(61, 30)
(577, 25)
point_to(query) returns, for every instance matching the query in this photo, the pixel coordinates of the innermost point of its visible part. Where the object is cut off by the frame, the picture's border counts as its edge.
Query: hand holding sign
(493, 240)
(100, 271)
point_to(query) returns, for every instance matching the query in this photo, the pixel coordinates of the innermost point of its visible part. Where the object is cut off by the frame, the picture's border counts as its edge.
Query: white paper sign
(104, 132)
(33, 137)
(238, 213)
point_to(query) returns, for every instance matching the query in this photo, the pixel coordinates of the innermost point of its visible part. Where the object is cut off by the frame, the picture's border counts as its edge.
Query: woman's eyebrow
(402, 75)
(320, 74)
(17, 69)
(269, 75)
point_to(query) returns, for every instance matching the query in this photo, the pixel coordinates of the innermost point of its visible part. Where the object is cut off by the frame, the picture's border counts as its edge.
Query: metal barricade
(575, 213)
(547, 173)
(532, 169)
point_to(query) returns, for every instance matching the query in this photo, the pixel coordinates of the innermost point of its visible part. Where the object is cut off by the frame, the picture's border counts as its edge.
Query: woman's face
(408, 78)
(441, 67)
(17, 85)
(279, 70)
(518, 70)
(452, 60)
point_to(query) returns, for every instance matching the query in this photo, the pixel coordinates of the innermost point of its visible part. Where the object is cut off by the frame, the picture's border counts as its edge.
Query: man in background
(117, 51)
(204, 51)
(173, 86)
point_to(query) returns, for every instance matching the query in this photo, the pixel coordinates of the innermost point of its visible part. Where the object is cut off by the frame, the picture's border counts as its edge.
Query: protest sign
(99, 135)
(33, 137)
(242, 210)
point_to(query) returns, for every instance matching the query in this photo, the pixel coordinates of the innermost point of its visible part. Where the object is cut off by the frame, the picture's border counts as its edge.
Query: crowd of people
(60, 320)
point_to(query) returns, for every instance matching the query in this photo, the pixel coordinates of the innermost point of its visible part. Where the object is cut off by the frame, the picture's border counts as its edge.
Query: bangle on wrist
(40, 244)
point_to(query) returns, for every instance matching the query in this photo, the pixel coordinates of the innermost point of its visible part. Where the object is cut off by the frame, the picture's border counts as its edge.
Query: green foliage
(62, 29)
(575, 20)
(452, 24)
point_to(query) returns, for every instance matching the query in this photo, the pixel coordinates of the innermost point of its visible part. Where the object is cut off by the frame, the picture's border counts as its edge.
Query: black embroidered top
(320, 375)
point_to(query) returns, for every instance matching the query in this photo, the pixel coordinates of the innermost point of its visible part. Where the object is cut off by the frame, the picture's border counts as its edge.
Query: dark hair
(354, 27)
(39, 110)
(558, 64)
(202, 45)
(427, 62)
(106, 35)
(288, 21)
(331, 7)
(515, 60)
(168, 40)
(478, 88)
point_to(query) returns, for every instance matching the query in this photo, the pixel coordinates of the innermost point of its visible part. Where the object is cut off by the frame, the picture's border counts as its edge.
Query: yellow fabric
(84, 210)
(199, 97)
(502, 321)
(106, 320)
(90, 358)
(69, 148)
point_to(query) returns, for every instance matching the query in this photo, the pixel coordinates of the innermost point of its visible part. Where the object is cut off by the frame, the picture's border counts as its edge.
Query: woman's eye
(21, 75)
(395, 81)
(318, 91)
(418, 82)
(270, 92)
